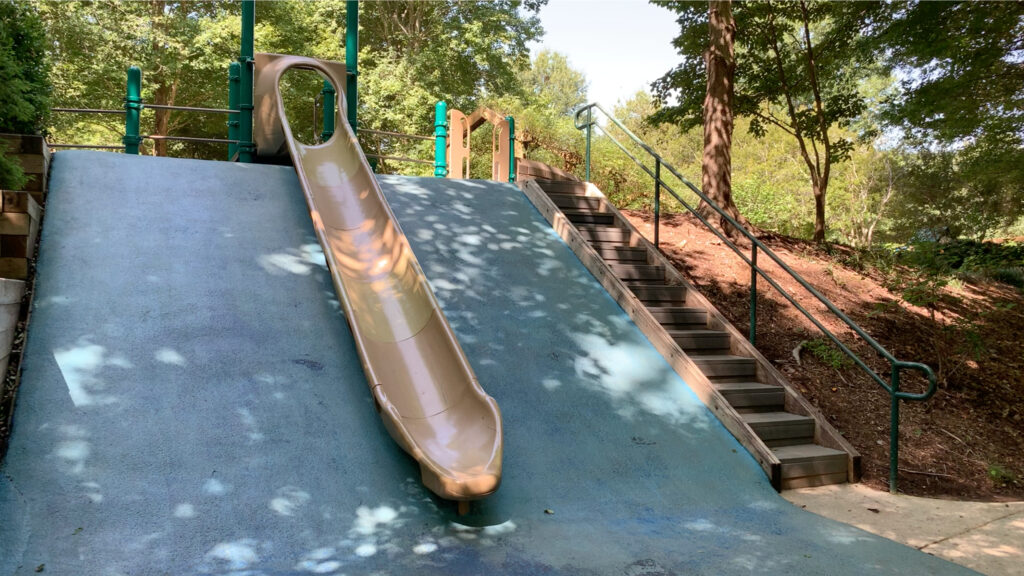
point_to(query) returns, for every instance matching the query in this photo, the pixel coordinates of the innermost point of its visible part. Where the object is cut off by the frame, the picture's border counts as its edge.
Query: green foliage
(24, 69)
(456, 49)
(182, 49)
(552, 85)
(1000, 476)
(969, 259)
(415, 53)
(24, 81)
(826, 351)
(12, 177)
(969, 191)
(968, 73)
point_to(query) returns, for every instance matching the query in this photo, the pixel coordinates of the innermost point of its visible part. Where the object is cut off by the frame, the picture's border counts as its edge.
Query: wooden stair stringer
(824, 434)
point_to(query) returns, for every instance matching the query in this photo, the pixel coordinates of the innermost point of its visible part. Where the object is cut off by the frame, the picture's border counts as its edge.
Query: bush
(24, 80)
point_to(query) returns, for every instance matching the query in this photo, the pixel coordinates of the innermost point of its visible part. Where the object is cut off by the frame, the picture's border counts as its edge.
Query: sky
(620, 45)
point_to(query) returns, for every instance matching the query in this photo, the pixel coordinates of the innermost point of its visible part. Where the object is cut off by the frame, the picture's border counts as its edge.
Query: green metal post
(753, 293)
(234, 71)
(511, 148)
(894, 429)
(440, 139)
(352, 62)
(657, 201)
(246, 147)
(590, 125)
(329, 98)
(132, 111)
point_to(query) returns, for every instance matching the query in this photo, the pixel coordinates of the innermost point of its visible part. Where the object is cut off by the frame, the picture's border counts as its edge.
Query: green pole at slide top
(132, 110)
(234, 72)
(440, 139)
(352, 62)
(246, 147)
(329, 98)
(511, 148)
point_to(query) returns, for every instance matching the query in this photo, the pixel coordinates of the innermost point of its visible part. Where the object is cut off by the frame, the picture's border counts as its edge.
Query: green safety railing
(584, 120)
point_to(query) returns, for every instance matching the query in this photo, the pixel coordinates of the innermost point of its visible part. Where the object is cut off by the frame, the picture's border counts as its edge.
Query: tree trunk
(716, 164)
(161, 119)
(819, 211)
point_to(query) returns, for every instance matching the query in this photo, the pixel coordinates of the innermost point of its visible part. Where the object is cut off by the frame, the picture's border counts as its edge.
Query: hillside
(967, 442)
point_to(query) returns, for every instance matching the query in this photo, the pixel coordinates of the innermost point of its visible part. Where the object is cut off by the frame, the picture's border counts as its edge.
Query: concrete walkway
(191, 402)
(987, 537)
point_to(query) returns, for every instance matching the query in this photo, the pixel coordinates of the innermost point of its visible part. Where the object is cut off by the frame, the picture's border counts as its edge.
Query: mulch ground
(966, 442)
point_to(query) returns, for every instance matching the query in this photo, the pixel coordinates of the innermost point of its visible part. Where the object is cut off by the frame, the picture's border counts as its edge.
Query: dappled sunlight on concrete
(170, 356)
(638, 381)
(214, 487)
(288, 500)
(81, 366)
(300, 261)
(237, 555)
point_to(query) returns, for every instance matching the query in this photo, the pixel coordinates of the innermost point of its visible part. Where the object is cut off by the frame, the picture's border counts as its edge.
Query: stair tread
(696, 332)
(806, 453)
(723, 358)
(651, 267)
(746, 387)
(772, 417)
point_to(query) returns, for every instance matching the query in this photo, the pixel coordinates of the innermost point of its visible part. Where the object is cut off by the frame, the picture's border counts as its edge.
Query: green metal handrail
(892, 386)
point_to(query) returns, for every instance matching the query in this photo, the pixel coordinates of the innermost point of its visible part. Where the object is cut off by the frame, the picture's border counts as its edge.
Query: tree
(796, 69)
(460, 50)
(716, 162)
(451, 50)
(553, 84)
(24, 80)
(960, 105)
(183, 50)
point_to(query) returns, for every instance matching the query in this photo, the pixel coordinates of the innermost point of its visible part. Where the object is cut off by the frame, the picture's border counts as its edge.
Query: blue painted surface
(192, 404)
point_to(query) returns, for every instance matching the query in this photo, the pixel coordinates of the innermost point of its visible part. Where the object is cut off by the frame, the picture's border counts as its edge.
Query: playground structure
(752, 398)
(420, 377)
(791, 440)
(508, 161)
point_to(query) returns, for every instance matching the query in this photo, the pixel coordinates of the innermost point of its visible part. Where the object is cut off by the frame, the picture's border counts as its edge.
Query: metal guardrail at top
(398, 158)
(87, 110)
(52, 145)
(398, 134)
(892, 386)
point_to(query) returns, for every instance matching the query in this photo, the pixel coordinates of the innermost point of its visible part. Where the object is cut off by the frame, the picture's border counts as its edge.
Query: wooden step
(637, 271)
(806, 465)
(701, 339)
(651, 293)
(563, 187)
(753, 395)
(781, 428)
(603, 233)
(575, 202)
(621, 254)
(589, 217)
(726, 366)
(679, 316)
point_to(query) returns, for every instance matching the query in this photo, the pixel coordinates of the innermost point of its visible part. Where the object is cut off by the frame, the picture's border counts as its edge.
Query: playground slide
(424, 388)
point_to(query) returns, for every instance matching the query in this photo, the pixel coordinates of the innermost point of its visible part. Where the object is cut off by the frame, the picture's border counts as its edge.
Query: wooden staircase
(788, 436)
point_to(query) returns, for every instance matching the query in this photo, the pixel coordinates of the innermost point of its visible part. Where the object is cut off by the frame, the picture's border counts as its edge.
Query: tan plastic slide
(425, 389)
